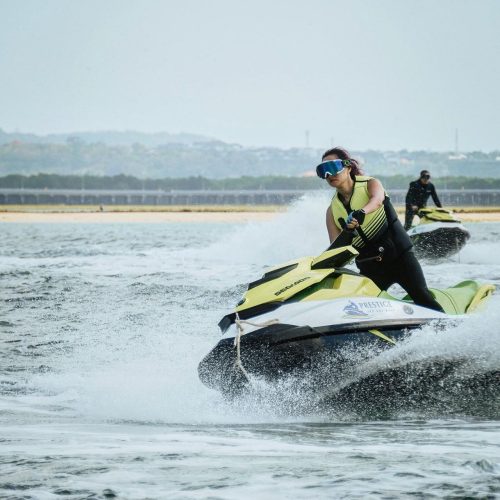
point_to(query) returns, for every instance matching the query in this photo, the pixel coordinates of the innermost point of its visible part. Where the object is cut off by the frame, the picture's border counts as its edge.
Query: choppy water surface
(101, 330)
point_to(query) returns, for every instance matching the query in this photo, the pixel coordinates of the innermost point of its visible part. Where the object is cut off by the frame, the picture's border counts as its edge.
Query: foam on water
(134, 351)
(468, 350)
(297, 232)
(433, 372)
(150, 373)
(103, 327)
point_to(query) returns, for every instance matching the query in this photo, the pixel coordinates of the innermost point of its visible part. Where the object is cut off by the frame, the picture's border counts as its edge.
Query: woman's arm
(333, 230)
(377, 196)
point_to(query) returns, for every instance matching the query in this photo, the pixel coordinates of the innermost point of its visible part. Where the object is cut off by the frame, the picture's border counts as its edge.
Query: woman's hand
(355, 219)
(354, 224)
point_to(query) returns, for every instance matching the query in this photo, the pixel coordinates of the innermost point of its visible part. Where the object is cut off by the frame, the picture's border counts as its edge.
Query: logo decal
(408, 309)
(367, 308)
(284, 289)
(352, 310)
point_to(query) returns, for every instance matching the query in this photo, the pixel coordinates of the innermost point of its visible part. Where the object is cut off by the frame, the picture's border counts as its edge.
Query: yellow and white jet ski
(439, 233)
(313, 309)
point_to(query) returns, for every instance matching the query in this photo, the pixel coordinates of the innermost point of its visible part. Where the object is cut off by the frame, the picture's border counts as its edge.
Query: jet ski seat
(437, 215)
(462, 298)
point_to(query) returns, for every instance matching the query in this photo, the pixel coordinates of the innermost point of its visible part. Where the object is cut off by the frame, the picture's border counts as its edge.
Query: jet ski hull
(281, 351)
(439, 234)
(439, 240)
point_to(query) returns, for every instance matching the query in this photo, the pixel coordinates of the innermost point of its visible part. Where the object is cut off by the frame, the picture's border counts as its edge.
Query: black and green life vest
(379, 227)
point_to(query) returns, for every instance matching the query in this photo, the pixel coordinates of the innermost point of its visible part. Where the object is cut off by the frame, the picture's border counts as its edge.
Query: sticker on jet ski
(368, 308)
(284, 289)
(352, 310)
(408, 309)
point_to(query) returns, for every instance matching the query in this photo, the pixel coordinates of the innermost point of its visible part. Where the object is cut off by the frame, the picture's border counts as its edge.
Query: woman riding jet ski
(360, 203)
(312, 311)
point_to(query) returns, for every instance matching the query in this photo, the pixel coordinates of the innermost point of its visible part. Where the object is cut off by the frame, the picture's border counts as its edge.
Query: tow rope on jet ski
(241, 331)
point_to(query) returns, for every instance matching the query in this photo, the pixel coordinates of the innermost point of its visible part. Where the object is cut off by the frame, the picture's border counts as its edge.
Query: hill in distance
(162, 155)
(109, 137)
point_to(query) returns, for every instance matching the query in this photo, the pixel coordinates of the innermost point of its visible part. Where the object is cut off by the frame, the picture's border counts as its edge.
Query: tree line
(125, 182)
(218, 160)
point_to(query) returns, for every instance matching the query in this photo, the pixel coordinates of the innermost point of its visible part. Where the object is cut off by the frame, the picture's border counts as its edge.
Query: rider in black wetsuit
(417, 196)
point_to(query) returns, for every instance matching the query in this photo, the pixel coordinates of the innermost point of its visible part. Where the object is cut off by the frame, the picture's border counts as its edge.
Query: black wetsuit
(397, 264)
(406, 272)
(417, 195)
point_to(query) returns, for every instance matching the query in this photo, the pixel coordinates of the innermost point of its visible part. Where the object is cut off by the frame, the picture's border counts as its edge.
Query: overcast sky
(379, 74)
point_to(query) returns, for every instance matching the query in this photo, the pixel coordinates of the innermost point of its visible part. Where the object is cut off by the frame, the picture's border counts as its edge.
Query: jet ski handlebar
(346, 236)
(345, 239)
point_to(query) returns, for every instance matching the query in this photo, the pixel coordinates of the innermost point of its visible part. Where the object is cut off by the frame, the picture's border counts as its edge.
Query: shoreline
(132, 217)
(141, 214)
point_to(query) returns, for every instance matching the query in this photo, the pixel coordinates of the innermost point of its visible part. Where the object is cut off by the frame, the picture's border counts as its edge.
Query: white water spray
(146, 369)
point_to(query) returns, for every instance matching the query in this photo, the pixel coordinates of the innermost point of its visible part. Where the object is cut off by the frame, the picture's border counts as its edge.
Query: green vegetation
(53, 181)
(158, 156)
(211, 160)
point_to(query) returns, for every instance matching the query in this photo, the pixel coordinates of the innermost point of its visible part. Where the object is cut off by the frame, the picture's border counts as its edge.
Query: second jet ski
(439, 234)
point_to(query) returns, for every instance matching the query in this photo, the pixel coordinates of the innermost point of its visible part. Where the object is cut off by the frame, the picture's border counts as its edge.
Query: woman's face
(336, 180)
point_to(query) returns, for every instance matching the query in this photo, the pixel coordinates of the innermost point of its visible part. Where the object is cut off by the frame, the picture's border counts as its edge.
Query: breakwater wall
(8, 196)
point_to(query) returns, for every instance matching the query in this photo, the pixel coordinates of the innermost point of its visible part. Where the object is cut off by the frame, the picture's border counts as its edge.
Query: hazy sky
(380, 74)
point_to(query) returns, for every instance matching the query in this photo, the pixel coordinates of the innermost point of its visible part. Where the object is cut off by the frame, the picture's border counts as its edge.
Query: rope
(237, 339)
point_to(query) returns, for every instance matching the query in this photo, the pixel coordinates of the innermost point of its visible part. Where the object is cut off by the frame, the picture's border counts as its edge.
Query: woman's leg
(380, 273)
(412, 279)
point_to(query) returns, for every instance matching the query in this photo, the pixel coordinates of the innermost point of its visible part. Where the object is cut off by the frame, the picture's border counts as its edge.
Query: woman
(361, 207)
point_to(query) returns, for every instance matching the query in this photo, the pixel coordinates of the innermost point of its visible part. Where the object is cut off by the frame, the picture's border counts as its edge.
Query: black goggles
(426, 176)
(331, 167)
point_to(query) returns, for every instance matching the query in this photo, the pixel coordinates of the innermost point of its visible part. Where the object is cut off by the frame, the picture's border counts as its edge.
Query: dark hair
(424, 172)
(343, 154)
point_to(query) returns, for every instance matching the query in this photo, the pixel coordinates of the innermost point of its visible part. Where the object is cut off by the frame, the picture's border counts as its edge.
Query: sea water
(102, 327)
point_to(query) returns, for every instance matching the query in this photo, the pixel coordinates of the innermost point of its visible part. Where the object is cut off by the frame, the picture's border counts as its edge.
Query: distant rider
(417, 196)
(361, 207)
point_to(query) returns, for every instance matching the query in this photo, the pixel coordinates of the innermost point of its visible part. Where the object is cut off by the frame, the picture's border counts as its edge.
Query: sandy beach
(133, 217)
(188, 215)
(479, 216)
